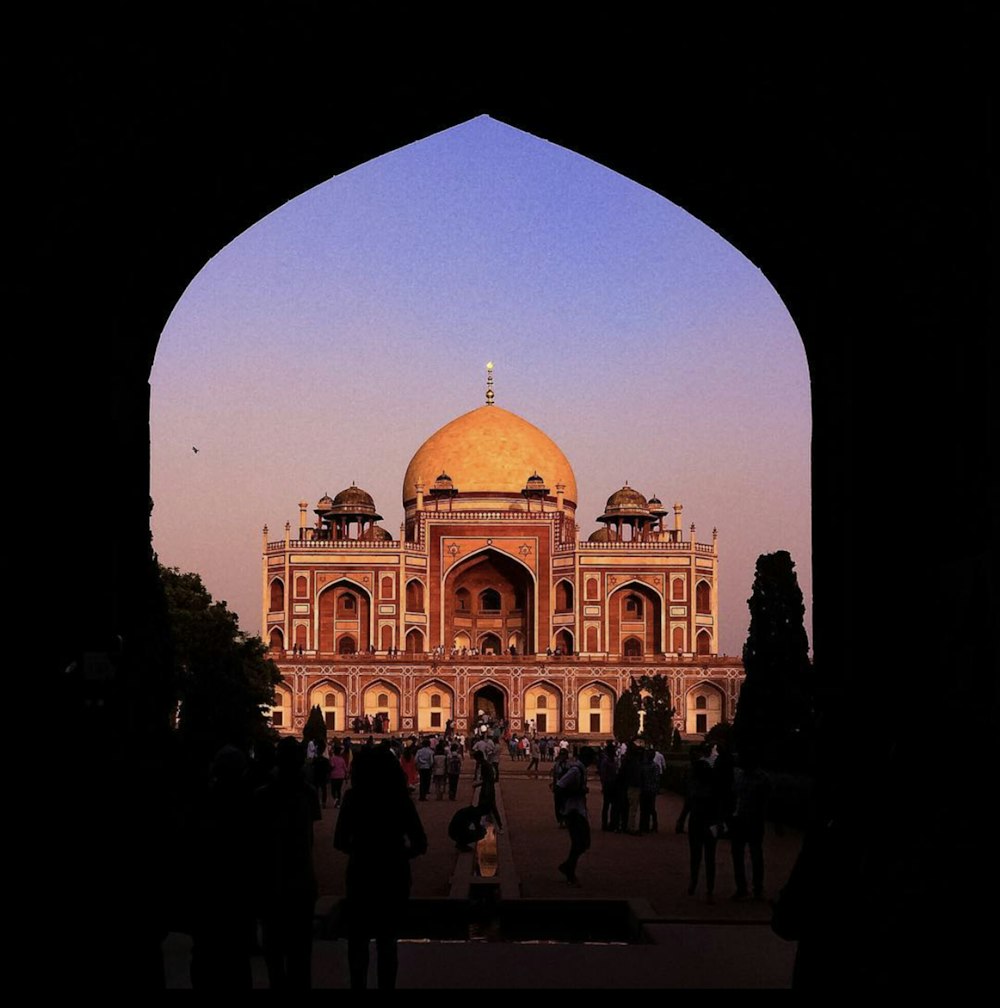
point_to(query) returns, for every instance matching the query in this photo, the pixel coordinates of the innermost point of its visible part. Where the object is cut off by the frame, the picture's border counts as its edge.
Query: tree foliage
(774, 713)
(223, 676)
(651, 694)
(626, 720)
(315, 729)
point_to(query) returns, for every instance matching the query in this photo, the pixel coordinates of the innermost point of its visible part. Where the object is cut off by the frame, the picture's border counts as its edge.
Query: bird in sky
(195, 450)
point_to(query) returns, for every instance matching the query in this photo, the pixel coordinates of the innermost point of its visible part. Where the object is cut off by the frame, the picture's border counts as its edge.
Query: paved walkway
(688, 942)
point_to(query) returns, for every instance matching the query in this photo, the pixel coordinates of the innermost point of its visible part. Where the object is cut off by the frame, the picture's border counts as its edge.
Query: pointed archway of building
(344, 611)
(490, 701)
(489, 593)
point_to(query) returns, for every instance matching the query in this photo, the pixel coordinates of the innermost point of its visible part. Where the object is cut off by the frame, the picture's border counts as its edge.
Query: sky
(323, 346)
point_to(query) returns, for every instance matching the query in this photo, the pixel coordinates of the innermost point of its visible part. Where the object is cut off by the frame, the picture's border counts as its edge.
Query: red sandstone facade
(489, 601)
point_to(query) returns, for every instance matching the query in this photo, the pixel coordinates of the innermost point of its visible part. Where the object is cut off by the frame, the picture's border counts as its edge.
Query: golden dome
(603, 534)
(488, 450)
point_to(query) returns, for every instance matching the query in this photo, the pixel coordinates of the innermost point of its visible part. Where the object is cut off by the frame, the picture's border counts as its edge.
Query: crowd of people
(377, 785)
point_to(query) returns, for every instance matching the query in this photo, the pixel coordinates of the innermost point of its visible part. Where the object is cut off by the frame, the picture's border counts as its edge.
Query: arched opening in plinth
(383, 699)
(596, 709)
(705, 707)
(435, 706)
(543, 705)
(490, 701)
(331, 699)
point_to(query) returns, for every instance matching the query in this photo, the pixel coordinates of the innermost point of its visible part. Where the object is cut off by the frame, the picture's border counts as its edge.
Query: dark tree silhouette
(223, 676)
(774, 713)
(658, 724)
(315, 729)
(626, 722)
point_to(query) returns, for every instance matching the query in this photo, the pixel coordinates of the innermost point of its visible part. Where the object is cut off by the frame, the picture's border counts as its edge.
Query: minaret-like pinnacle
(489, 383)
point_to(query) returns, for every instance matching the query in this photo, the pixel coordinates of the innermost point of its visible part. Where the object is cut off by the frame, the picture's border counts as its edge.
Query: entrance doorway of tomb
(490, 597)
(489, 700)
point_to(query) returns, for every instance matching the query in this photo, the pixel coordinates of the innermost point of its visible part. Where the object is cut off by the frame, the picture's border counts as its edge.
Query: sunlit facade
(488, 600)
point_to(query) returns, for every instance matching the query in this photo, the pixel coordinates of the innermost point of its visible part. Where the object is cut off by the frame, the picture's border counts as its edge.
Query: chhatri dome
(489, 451)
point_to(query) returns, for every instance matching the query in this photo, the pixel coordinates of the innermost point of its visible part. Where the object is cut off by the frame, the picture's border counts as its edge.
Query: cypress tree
(774, 713)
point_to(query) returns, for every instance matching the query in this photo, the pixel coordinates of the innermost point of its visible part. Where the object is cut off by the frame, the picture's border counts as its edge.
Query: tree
(315, 729)
(626, 721)
(224, 679)
(651, 694)
(774, 713)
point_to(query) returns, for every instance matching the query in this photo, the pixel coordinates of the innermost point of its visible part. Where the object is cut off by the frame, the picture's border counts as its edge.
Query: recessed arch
(596, 705)
(435, 705)
(281, 709)
(705, 707)
(490, 591)
(336, 619)
(331, 698)
(543, 704)
(414, 595)
(276, 601)
(381, 697)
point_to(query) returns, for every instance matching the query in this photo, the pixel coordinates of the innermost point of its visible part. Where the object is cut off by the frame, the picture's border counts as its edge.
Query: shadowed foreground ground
(688, 943)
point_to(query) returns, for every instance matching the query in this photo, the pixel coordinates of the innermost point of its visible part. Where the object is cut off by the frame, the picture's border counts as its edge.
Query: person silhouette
(380, 831)
(284, 812)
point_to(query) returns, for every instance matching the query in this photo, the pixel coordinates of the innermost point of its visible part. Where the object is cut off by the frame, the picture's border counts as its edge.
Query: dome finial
(489, 383)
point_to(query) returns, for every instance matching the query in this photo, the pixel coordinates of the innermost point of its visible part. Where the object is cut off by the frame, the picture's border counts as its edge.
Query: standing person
(632, 772)
(607, 772)
(380, 831)
(751, 794)
(573, 785)
(425, 766)
(487, 803)
(408, 761)
(338, 774)
(320, 769)
(284, 811)
(454, 770)
(649, 784)
(220, 877)
(439, 770)
(704, 821)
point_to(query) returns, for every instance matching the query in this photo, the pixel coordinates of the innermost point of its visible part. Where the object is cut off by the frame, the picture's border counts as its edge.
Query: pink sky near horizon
(328, 341)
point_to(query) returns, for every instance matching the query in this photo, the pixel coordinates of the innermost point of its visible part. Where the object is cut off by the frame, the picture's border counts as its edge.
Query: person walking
(573, 787)
(380, 831)
(534, 753)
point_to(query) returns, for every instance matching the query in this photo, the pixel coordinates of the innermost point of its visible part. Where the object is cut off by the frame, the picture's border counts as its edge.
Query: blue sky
(324, 344)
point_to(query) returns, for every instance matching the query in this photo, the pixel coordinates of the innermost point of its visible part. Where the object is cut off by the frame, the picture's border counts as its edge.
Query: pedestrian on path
(573, 787)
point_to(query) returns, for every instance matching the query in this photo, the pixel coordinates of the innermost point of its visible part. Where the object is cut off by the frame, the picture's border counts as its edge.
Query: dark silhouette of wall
(851, 170)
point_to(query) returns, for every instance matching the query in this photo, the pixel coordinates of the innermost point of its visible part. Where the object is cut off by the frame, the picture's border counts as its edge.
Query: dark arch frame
(791, 176)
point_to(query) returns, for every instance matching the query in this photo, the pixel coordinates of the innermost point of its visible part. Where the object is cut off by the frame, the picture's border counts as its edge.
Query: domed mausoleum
(489, 600)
